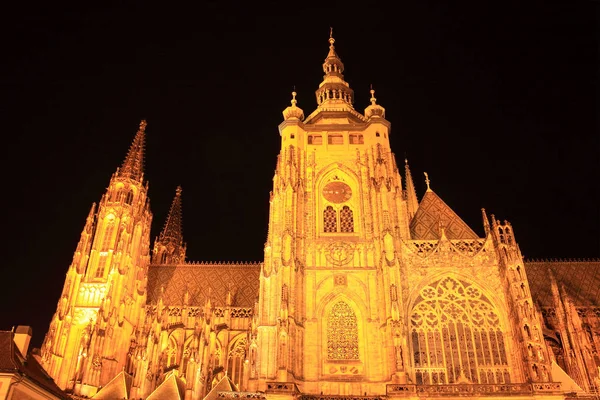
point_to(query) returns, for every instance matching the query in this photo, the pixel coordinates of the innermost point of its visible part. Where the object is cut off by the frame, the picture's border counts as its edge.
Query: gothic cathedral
(364, 292)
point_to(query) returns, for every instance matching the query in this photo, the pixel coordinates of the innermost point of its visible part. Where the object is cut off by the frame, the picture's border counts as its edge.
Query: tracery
(456, 335)
(342, 333)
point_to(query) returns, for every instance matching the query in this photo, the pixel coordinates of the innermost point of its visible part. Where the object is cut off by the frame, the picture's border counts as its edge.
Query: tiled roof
(202, 279)
(11, 360)
(581, 279)
(117, 389)
(432, 213)
(172, 388)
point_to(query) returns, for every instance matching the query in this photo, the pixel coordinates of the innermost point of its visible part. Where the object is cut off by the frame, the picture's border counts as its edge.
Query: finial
(178, 191)
(143, 124)
(331, 39)
(294, 101)
(373, 99)
(427, 181)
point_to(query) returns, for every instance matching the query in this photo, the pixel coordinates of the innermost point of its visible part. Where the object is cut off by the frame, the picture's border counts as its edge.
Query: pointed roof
(172, 232)
(133, 165)
(224, 385)
(432, 214)
(26, 366)
(568, 383)
(171, 388)
(411, 193)
(117, 388)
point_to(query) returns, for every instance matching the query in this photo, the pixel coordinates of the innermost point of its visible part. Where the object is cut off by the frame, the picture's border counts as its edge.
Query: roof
(171, 388)
(224, 385)
(432, 213)
(117, 388)
(203, 279)
(580, 278)
(12, 361)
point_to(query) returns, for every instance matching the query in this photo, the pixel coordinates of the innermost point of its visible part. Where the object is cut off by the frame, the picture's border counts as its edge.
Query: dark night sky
(497, 104)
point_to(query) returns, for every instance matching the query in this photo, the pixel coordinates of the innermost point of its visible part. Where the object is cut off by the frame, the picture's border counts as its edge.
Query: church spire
(334, 89)
(172, 231)
(411, 193)
(133, 166)
(169, 247)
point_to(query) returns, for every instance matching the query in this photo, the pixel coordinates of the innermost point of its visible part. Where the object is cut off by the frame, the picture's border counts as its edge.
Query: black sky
(497, 103)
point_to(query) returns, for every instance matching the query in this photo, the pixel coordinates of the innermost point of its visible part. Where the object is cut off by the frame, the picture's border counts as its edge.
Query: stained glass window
(329, 220)
(342, 333)
(346, 220)
(456, 334)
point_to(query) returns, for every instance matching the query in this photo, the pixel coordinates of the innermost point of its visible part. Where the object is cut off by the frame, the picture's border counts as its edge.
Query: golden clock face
(337, 192)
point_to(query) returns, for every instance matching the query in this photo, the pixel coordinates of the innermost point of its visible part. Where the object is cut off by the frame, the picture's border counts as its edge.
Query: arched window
(105, 247)
(235, 362)
(329, 220)
(129, 197)
(346, 220)
(342, 333)
(456, 330)
(171, 352)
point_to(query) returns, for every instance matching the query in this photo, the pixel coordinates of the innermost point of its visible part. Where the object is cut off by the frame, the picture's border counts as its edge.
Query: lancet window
(334, 221)
(236, 359)
(105, 247)
(346, 220)
(329, 220)
(455, 335)
(342, 333)
(171, 352)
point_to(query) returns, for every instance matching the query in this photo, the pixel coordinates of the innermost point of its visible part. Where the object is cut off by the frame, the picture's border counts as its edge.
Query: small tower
(105, 288)
(169, 247)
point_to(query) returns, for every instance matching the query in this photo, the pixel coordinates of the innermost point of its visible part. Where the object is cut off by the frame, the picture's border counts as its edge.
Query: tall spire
(334, 89)
(172, 232)
(133, 166)
(169, 247)
(411, 193)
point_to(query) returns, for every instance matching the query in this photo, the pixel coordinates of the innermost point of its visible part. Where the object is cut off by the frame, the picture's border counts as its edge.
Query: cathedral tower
(337, 214)
(105, 288)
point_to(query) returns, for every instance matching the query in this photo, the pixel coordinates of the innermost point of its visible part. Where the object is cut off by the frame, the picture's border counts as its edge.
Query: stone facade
(364, 292)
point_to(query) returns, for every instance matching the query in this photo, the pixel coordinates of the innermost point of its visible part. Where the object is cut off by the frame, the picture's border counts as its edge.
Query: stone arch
(347, 212)
(456, 331)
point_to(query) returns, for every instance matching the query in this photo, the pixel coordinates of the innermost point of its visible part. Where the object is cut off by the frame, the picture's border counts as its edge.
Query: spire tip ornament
(427, 181)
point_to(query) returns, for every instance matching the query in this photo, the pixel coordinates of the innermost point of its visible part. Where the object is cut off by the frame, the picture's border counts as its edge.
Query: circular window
(337, 192)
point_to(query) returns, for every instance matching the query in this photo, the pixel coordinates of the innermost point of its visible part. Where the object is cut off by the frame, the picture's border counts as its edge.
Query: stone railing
(547, 387)
(465, 247)
(338, 397)
(241, 395)
(282, 387)
(508, 389)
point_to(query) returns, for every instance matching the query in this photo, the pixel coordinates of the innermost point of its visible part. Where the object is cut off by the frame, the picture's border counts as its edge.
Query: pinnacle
(133, 166)
(172, 232)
